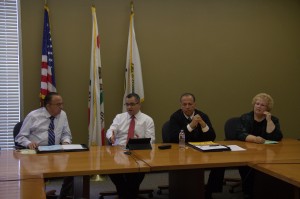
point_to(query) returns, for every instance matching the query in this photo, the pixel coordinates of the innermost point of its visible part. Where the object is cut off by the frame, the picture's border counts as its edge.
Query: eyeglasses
(130, 104)
(58, 104)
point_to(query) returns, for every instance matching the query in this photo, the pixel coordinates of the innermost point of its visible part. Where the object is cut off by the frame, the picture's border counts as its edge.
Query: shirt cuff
(189, 128)
(205, 129)
(66, 140)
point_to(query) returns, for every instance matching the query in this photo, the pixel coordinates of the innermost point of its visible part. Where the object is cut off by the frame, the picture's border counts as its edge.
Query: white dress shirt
(144, 127)
(35, 128)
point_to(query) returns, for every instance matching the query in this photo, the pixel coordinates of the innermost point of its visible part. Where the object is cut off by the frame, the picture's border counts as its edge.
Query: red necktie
(131, 128)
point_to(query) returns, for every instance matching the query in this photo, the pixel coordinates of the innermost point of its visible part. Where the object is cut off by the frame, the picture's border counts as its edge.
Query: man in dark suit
(197, 128)
(196, 124)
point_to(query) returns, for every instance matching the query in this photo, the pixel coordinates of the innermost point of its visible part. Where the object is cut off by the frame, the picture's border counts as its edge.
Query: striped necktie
(51, 135)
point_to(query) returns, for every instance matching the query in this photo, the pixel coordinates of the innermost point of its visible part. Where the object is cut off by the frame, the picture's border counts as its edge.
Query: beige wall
(223, 51)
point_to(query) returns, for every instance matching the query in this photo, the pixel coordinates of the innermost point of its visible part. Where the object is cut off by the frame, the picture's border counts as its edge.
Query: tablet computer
(139, 143)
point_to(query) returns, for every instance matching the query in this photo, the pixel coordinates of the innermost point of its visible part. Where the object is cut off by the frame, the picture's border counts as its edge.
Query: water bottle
(181, 139)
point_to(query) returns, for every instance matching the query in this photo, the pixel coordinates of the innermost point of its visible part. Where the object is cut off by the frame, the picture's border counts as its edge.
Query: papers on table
(209, 146)
(203, 143)
(236, 148)
(66, 147)
(72, 146)
(27, 151)
(213, 146)
(270, 142)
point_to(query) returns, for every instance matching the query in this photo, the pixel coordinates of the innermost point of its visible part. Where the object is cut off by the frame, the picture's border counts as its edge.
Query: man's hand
(198, 119)
(32, 145)
(112, 139)
(194, 122)
(65, 143)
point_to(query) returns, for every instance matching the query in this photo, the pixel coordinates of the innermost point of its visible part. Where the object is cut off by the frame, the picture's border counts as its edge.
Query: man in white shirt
(35, 131)
(128, 184)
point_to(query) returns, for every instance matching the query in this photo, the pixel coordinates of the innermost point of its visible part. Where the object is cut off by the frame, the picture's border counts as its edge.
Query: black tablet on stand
(139, 143)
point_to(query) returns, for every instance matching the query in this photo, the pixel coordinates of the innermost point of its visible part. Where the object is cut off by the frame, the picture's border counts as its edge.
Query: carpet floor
(151, 181)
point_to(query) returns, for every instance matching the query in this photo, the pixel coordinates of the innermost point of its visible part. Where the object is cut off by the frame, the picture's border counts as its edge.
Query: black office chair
(16, 131)
(230, 128)
(166, 132)
(165, 139)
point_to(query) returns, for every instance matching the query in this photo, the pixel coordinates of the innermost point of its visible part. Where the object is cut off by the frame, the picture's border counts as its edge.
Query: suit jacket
(179, 122)
(247, 127)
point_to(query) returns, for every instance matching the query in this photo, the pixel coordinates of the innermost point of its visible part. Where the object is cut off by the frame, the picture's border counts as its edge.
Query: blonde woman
(256, 126)
(259, 125)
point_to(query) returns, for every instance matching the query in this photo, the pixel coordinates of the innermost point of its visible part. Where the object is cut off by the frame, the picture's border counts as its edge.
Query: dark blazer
(247, 125)
(179, 122)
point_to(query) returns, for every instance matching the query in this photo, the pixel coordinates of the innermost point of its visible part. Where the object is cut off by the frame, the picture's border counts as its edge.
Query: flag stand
(98, 178)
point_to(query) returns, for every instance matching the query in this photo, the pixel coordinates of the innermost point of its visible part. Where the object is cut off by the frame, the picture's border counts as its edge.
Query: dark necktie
(131, 128)
(51, 135)
(189, 119)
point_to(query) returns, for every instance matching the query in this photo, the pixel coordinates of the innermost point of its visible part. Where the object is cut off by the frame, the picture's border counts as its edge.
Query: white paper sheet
(236, 148)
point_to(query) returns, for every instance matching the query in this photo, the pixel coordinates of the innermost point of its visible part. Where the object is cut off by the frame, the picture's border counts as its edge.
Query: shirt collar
(47, 114)
(136, 115)
(187, 117)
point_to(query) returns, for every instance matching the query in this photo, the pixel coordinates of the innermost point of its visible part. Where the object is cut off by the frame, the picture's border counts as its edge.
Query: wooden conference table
(282, 173)
(18, 169)
(26, 188)
(186, 167)
(277, 180)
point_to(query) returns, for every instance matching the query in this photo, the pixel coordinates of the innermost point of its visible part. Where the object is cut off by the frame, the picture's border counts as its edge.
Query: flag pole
(96, 103)
(131, 65)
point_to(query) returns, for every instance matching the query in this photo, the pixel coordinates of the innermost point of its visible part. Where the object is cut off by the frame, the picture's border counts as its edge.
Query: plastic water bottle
(181, 140)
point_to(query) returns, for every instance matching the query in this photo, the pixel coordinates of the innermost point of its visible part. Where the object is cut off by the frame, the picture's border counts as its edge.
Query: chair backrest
(231, 127)
(17, 129)
(166, 132)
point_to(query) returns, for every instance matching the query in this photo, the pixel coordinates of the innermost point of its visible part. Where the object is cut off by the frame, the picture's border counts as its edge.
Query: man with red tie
(131, 124)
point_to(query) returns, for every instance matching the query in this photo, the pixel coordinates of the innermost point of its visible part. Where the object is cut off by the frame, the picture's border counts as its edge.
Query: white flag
(96, 98)
(133, 72)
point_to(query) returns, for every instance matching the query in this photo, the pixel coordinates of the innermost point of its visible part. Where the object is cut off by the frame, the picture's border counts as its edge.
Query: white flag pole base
(98, 178)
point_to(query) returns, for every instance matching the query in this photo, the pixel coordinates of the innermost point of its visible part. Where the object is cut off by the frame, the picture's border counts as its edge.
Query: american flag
(47, 69)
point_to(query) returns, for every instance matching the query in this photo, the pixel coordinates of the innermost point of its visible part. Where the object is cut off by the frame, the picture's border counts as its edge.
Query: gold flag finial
(131, 4)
